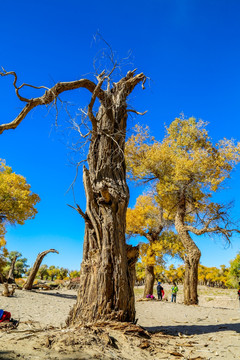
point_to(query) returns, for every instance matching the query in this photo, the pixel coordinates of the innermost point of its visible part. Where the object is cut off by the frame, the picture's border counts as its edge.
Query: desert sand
(210, 330)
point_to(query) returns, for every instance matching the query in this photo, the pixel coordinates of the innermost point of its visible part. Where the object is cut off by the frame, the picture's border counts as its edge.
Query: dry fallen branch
(29, 283)
(6, 292)
(125, 327)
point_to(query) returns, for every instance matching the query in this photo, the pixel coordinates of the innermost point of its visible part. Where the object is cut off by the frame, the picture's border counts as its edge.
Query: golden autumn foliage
(17, 201)
(3, 253)
(146, 219)
(185, 160)
(209, 276)
(145, 216)
(173, 274)
(234, 271)
(187, 169)
(155, 253)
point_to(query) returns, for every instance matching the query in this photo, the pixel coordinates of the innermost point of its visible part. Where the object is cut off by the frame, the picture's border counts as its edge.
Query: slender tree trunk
(29, 283)
(149, 269)
(10, 276)
(149, 280)
(192, 258)
(108, 266)
(191, 276)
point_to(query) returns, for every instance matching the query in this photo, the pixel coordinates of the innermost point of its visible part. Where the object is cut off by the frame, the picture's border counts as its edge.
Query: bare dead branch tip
(17, 88)
(79, 210)
(137, 112)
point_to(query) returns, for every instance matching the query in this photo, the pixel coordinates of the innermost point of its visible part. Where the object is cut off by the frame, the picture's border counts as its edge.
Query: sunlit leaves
(145, 220)
(185, 162)
(234, 273)
(145, 216)
(222, 277)
(17, 201)
(20, 267)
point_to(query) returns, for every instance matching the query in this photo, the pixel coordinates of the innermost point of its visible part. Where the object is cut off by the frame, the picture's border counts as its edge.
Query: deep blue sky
(188, 48)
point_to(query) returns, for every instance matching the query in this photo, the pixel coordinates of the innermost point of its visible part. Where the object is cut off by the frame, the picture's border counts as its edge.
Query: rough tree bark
(29, 283)
(106, 280)
(191, 274)
(192, 257)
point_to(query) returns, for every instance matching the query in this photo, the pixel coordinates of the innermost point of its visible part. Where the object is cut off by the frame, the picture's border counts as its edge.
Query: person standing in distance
(174, 292)
(159, 290)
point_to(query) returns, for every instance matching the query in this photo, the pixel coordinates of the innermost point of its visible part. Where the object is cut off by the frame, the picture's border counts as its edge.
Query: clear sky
(188, 48)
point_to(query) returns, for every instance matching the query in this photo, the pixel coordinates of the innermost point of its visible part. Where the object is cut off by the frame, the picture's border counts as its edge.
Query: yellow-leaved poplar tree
(17, 203)
(147, 219)
(188, 169)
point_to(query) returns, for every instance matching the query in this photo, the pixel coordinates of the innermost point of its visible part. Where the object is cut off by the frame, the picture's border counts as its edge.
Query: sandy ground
(208, 331)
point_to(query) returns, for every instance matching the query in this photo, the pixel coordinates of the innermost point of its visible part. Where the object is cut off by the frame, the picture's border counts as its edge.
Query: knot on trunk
(106, 197)
(110, 193)
(49, 96)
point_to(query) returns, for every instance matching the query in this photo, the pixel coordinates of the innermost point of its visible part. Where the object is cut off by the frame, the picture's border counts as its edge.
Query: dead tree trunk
(106, 280)
(6, 292)
(10, 276)
(106, 284)
(29, 283)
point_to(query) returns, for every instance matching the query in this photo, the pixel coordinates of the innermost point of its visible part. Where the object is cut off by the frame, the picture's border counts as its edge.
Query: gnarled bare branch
(217, 229)
(130, 81)
(17, 88)
(79, 210)
(94, 96)
(49, 96)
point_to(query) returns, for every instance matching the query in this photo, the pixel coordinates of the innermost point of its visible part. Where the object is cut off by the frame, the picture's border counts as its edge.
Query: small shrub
(20, 281)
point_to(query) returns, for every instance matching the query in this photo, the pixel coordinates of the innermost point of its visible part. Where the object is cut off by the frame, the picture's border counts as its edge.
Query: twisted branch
(49, 96)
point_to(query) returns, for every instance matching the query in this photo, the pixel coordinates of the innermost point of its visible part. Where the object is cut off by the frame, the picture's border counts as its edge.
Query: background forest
(223, 277)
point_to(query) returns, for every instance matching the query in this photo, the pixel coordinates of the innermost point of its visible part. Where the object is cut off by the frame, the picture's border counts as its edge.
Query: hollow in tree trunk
(29, 283)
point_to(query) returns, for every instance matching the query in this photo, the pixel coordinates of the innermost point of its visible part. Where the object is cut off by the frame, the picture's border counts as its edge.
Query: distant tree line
(223, 277)
(22, 269)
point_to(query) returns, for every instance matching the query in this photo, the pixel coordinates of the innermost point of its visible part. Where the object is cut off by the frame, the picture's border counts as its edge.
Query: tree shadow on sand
(7, 355)
(194, 329)
(65, 296)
